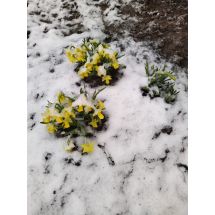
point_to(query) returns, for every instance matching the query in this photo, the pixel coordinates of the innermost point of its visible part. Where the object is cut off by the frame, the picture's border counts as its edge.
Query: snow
(139, 182)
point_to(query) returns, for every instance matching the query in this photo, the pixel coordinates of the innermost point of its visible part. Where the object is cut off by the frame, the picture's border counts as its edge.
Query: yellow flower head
(47, 116)
(96, 58)
(80, 54)
(70, 56)
(106, 79)
(80, 108)
(51, 128)
(89, 66)
(93, 123)
(88, 147)
(115, 64)
(66, 123)
(58, 119)
(61, 97)
(100, 115)
(101, 105)
(84, 73)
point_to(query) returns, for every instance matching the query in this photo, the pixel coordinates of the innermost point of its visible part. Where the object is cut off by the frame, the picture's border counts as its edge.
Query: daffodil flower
(96, 58)
(100, 115)
(101, 105)
(94, 122)
(115, 64)
(106, 79)
(66, 123)
(58, 119)
(83, 73)
(88, 147)
(80, 54)
(61, 97)
(51, 128)
(80, 108)
(70, 56)
(47, 116)
(89, 66)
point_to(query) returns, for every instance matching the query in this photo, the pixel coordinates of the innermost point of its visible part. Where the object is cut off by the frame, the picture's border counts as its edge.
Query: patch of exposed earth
(162, 24)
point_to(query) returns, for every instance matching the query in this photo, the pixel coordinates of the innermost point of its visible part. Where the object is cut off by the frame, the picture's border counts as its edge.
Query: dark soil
(163, 24)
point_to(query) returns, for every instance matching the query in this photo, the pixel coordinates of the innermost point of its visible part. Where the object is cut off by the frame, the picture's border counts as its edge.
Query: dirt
(162, 24)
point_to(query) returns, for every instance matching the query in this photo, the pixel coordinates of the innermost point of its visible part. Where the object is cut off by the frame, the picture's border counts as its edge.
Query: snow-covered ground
(131, 173)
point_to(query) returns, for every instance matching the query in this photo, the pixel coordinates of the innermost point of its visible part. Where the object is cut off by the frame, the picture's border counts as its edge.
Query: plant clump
(97, 63)
(161, 83)
(77, 116)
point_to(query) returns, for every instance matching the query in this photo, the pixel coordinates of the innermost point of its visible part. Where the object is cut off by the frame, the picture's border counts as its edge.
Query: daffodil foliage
(95, 61)
(161, 83)
(80, 115)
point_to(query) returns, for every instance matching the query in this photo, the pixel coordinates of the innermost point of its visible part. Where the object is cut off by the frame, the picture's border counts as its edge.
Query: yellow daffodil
(66, 123)
(89, 66)
(100, 115)
(96, 58)
(94, 122)
(67, 113)
(46, 119)
(106, 79)
(80, 54)
(88, 147)
(115, 64)
(51, 128)
(70, 56)
(47, 116)
(61, 97)
(84, 73)
(80, 108)
(101, 105)
(69, 102)
(58, 119)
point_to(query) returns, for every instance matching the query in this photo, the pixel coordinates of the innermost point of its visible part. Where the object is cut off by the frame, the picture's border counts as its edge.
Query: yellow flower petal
(61, 97)
(93, 123)
(115, 65)
(46, 119)
(80, 108)
(101, 105)
(88, 147)
(107, 79)
(51, 128)
(66, 124)
(100, 115)
(70, 56)
(58, 119)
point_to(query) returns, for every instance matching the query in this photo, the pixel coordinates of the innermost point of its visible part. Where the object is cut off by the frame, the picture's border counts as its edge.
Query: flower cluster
(161, 84)
(94, 60)
(75, 116)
